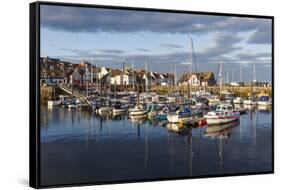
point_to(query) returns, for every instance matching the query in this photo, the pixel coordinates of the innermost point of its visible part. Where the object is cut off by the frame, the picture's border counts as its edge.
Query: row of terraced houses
(57, 71)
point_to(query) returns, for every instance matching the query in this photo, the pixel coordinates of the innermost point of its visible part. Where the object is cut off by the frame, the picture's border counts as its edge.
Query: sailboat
(119, 108)
(250, 101)
(151, 110)
(138, 110)
(53, 101)
(239, 99)
(105, 108)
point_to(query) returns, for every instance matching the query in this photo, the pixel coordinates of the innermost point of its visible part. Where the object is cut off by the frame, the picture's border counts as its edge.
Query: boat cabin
(224, 109)
(264, 98)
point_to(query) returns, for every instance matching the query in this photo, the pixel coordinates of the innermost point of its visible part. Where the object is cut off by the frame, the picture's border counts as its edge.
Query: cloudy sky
(163, 40)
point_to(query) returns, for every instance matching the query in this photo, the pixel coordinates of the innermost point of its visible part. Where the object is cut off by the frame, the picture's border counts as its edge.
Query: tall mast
(240, 72)
(92, 61)
(96, 73)
(227, 77)
(133, 74)
(254, 72)
(149, 76)
(86, 79)
(220, 75)
(170, 79)
(171, 71)
(232, 79)
(175, 73)
(254, 75)
(240, 79)
(190, 57)
(146, 77)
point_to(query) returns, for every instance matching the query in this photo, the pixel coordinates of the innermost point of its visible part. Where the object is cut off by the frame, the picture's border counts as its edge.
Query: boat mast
(149, 77)
(122, 75)
(254, 72)
(190, 58)
(146, 77)
(240, 72)
(133, 74)
(175, 73)
(240, 79)
(254, 76)
(232, 79)
(86, 79)
(169, 77)
(190, 69)
(227, 77)
(220, 75)
(71, 80)
(138, 95)
(92, 61)
(96, 76)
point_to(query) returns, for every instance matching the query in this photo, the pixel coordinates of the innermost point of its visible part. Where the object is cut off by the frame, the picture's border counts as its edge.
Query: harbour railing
(75, 93)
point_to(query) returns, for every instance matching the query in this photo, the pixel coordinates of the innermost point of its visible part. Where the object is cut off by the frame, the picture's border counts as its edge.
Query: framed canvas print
(120, 94)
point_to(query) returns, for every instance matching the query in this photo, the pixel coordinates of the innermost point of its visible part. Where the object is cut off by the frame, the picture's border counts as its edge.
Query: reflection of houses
(198, 79)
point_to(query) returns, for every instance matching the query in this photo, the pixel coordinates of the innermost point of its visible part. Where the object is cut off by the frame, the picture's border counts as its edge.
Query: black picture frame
(34, 91)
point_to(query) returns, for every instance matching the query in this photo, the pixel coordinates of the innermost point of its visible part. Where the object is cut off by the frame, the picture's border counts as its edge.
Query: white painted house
(103, 71)
(117, 76)
(198, 79)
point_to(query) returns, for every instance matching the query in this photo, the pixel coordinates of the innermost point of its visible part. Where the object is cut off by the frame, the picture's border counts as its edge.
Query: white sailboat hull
(137, 112)
(72, 106)
(54, 102)
(238, 101)
(176, 119)
(104, 110)
(264, 103)
(119, 111)
(249, 102)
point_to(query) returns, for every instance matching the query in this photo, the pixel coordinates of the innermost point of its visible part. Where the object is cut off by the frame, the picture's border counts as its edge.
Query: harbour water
(82, 147)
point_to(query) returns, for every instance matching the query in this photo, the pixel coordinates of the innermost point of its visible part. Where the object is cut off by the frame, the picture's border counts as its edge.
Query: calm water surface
(80, 147)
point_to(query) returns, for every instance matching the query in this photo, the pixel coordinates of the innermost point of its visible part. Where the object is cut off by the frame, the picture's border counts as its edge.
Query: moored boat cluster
(196, 110)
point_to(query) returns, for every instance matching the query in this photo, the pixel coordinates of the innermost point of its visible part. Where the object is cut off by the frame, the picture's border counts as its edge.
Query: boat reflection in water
(220, 131)
(179, 128)
(265, 108)
(138, 119)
